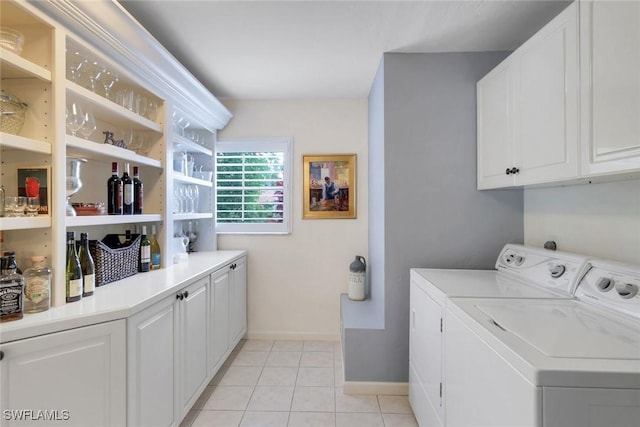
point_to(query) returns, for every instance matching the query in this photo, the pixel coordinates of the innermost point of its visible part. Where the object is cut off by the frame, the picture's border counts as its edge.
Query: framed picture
(34, 180)
(329, 186)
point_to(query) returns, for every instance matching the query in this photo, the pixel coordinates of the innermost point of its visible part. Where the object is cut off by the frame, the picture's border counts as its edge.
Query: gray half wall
(427, 211)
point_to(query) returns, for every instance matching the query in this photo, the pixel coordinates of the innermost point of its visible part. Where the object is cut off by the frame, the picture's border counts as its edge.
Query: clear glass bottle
(155, 250)
(73, 283)
(37, 286)
(88, 267)
(11, 291)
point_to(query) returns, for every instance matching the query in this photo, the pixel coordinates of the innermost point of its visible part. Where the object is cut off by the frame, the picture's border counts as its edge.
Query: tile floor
(291, 383)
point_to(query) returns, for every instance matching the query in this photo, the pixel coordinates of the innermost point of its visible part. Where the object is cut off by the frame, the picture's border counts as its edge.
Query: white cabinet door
(193, 336)
(610, 60)
(152, 342)
(548, 102)
(220, 316)
(496, 120)
(426, 348)
(528, 110)
(75, 377)
(238, 304)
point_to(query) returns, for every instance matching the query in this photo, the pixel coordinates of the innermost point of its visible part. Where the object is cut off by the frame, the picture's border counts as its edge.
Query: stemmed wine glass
(94, 71)
(193, 193)
(182, 123)
(75, 118)
(89, 126)
(184, 199)
(108, 79)
(75, 62)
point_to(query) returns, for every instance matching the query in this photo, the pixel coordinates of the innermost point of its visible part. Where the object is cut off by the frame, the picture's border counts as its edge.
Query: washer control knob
(519, 260)
(605, 284)
(557, 270)
(627, 290)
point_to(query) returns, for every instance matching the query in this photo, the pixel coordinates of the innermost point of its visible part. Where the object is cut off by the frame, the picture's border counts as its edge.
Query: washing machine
(520, 272)
(547, 362)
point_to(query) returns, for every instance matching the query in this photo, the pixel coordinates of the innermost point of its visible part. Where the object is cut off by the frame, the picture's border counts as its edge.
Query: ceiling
(325, 48)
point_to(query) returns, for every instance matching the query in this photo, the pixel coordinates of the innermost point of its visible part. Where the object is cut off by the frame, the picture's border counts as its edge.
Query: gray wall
(425, 210)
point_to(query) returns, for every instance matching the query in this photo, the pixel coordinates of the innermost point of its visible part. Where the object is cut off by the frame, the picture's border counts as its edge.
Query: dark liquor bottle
(114, 192)
(138, 192)
(11, 291)
(73, 270)
(145, 251)
(87, 265)
(127, 192)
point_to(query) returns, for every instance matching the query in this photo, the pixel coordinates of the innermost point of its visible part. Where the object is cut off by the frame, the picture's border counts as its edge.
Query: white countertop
(118, 300)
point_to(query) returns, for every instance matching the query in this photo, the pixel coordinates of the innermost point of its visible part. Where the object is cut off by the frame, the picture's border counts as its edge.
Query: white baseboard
(370, 387)
(291, 336)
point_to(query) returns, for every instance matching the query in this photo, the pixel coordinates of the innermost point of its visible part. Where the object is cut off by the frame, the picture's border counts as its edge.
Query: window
(253, 188)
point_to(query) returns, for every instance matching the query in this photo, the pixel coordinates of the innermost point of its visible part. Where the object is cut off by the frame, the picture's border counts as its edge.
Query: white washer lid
(566, 329)
(443, 283)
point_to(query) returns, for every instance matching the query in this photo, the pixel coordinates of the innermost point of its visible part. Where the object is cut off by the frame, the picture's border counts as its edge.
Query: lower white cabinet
(193, 332)
(238, 301)
(229, 314)
(176, 346)
(151, 355)
(75, 377)
(425, 357)
(167, 357)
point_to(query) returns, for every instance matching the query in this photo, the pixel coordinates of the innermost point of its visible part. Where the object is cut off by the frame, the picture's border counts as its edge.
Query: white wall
(600, 220)
(295, 280)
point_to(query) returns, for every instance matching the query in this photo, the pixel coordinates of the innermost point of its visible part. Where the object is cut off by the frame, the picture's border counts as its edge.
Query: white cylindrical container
(357, 279)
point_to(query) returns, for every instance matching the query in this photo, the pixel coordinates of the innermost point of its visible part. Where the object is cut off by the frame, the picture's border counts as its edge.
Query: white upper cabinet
(528, 110)
(610, 102)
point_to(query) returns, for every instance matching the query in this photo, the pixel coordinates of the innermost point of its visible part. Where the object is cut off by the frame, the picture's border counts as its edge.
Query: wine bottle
(114, 192)
(87, 265)
(155, 250)
(73, 270)
(138, 192)
(145, 251)
(127, 191)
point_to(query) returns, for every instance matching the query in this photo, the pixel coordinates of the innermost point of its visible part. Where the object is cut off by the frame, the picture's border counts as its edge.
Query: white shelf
(14, 66)
(16, 142)
(109, 111)
(187, 216)
(105, 152)
(24, 223)
(180, 143)
(183, 179)
(90, 220)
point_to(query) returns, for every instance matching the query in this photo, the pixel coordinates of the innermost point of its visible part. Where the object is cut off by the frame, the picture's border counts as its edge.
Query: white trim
(283, 336)
(371, 387)
(284, 145)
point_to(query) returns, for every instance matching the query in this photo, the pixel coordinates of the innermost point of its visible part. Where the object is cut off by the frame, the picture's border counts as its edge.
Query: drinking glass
(32, 206)
(184, 199)
(93, 70)
(75, 62)
(141, 104)
(75, 118)
(182, 123)
(89, 126)
(193, 193)
(14, 206)
(152, 110)
(108, 79)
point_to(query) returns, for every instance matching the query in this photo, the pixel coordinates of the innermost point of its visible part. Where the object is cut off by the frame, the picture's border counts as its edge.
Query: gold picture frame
(332, 199)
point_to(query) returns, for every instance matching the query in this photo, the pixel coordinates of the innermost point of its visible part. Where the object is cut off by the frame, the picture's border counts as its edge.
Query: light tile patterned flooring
(291, 383)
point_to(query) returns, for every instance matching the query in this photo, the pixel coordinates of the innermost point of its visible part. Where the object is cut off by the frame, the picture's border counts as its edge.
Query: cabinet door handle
(515, 170)
(180, 296)
(1, 355)
(508, 171)
(186, 294)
